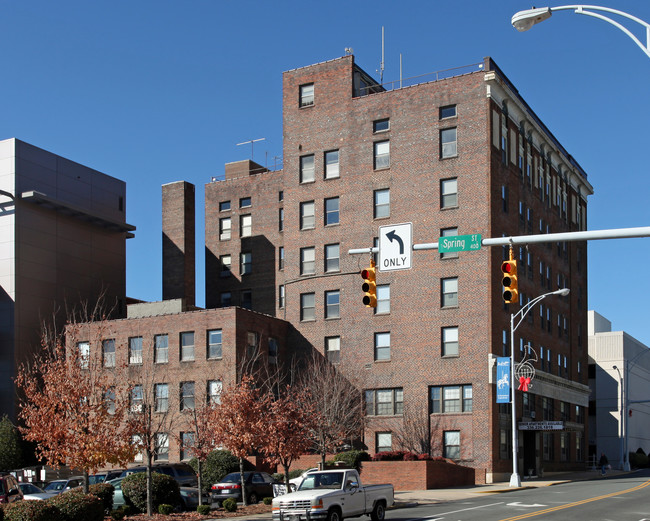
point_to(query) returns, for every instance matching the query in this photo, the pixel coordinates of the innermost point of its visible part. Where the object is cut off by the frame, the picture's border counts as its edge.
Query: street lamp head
(562, 292)
(614, 367)
(524, 20)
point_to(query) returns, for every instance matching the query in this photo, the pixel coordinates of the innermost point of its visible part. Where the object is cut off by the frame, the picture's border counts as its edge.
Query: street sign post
(452, 243)
(395, 247)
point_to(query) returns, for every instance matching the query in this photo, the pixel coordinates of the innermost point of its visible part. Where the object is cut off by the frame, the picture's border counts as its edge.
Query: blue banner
(503, 379)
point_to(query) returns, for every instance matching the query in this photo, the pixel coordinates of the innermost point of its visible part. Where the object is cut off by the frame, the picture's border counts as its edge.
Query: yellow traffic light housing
(369, 286)
(510, 287)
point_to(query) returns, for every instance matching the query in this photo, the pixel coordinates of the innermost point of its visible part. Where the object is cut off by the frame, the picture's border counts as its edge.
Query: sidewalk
(415, 497)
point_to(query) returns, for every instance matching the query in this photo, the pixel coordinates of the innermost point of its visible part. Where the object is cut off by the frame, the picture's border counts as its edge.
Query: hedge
(32, 511)
(78, 506)
(164, 490)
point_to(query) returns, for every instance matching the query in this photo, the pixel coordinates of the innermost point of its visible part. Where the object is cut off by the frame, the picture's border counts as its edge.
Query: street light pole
(515, 480)
(524, 20)
(621, 419)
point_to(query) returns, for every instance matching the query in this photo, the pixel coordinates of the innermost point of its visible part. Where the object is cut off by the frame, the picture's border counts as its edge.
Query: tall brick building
(460, 154)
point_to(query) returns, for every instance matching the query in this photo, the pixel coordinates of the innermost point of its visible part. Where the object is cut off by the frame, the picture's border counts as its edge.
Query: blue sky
(158, 91)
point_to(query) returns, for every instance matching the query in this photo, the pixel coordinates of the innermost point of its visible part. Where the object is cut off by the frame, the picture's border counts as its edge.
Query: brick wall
(416, 475)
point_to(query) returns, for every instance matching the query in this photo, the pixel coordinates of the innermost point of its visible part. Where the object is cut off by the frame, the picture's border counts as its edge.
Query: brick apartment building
(459, 155)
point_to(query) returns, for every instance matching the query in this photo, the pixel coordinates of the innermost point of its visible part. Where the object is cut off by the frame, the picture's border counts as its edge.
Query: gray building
(63, 238)
(619, 375)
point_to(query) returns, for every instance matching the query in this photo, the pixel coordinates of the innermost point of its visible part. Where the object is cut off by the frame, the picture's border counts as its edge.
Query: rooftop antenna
(381, 65)
(349, 50)
(252, 142)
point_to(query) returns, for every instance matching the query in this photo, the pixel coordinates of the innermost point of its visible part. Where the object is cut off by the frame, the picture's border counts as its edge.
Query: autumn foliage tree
(241, 420)
(70, 408)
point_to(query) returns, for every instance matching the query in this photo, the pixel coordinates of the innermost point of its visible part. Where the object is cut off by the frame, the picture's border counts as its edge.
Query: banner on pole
(503, 379)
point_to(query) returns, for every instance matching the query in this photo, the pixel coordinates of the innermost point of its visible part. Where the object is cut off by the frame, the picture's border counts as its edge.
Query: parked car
(31, 491)
(294, 483)
(118, 497)
(103, 476)
(61, 485)
(258, 486)
(181, 472)
(189, 496)
(9, 489)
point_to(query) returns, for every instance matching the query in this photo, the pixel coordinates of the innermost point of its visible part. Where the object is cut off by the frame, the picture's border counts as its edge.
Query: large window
(449, 292)
(187, 346)
(332, 304)
(382, 203)
(307, 169)
(332, 211)
(306, 95)
(333, 349)
(187, 445)
(214, 391)
(246, 263)
(245, 225)
(449, 193)
(307, 216)
(450, 398)
(83, 350)
(136, 398)
(135, 350)
(450, 341)
(161, 397)
(108, 351)
(383, 299)
(381, 154)
(225, 228)
(161, 349)
(452, 444)
(187, 396)
(307, 307)
(331, 164)
(215, 343)
(332, 254)
(384, 402)
(382, 346)
(307, 261)
(162, 447)
(448, 143)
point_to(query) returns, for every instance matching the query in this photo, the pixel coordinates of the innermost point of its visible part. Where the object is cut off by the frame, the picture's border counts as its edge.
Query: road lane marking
(518, 504)
(452, 512)
(577, 503)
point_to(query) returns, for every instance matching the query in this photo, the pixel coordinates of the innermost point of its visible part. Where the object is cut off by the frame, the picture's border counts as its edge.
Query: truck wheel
(334, 514)
(252, 499)
(378, 511)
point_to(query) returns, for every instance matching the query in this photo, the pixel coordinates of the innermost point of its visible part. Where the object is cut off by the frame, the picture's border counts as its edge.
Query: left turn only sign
(395, 247)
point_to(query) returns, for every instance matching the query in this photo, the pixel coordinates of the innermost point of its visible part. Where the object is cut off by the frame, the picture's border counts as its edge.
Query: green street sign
(453, 243)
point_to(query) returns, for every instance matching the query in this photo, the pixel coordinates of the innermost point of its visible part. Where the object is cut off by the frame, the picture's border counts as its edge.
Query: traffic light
(369, 286)
(510, 290)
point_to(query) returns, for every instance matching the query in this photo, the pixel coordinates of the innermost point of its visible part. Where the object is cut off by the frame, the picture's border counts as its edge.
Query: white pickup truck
(333, 495)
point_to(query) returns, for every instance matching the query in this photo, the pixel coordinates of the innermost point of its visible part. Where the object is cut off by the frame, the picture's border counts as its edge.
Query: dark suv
(181, 472)
(9, 489)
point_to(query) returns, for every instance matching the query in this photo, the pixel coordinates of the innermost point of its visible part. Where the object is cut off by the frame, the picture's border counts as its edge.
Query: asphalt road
(621, 498)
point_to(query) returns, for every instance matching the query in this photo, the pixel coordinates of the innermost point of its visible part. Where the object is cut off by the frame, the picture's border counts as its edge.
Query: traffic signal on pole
(510, 289)
(369, 287)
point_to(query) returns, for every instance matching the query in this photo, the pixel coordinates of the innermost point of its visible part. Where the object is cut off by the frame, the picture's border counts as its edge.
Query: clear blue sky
(158, 91)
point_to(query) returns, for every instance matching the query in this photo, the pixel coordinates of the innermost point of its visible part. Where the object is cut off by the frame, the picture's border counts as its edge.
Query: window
(214, 391)
(281, 258)
(162, 447)
(135, 350)
(448, 143)
(187, 346)
(307, 169)
(448, 232)
(109, 400)
(449, 341)
(281, 195)
(382, 155)
(332, 257)
(83, 350)
(333, 349)
(332, 304)
(547, 408)
(136, 441)
(273, 350)
(448, 112)
(245, 263)
(449, 290)
(384, 441)
(226, 265)
(224, 206)
(528, 403)
(331, 164)
(307, 307)
(161, 349)
(504, 443)
(381, 125)
(548, 454)
(244, 202)
(579, 447)
(382, 346)
(281, 296)
(136, 398)
(383, 299)
(187, 444)
(452, 444)
(225, 299)
(331, 211)
(245, 225)
(449, 193)
(450, 398)
(307, 216)
(246, 300)
(187, 396)
(306, 95)
(252, 343)
(384, 402)
(225, 227)
(161, 397)
(281, 219)
(108, 350)
(307, 261)
(215, 343)
(504, 198)
(382, 203)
